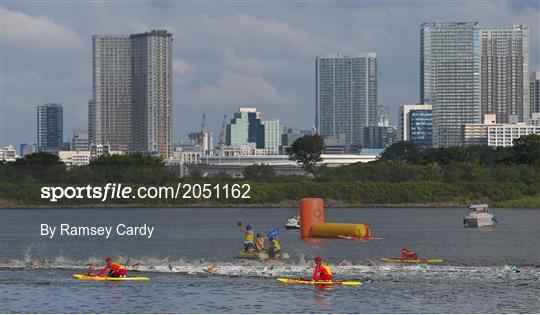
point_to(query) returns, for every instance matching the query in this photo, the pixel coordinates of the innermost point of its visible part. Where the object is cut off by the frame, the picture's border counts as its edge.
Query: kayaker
(406, 254)
(322, 271)
(248, 237)
(274, 251)
(116, 270)
(259, 244)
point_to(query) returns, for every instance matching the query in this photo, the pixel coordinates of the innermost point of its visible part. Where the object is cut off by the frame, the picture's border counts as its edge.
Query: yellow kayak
(83, 277)
(399, 260)
(302, 281)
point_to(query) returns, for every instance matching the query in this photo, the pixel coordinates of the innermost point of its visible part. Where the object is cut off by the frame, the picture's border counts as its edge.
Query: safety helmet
(318, 259)
(248, 227)
(108, 259)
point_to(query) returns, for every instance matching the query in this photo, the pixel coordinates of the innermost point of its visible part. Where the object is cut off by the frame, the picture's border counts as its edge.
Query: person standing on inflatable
(115, 269)
(248, 237)
(406, 254)
(322, 271)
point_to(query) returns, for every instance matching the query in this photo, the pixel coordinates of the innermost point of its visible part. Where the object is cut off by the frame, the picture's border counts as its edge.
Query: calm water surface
(35, 271)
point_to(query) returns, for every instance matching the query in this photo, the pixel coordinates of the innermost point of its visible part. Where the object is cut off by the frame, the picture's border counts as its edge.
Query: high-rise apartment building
(346, 96)
(450, 77)
(109, 110)
(50, 127)
(534, 92)
(132, 92)
(151, 92)
(504, 73)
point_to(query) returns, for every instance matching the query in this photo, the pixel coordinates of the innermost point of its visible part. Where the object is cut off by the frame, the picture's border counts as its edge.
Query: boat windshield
(479, 209)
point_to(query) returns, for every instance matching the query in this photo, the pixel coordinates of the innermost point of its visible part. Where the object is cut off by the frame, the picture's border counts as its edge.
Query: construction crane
(202, 123)
(222, 134)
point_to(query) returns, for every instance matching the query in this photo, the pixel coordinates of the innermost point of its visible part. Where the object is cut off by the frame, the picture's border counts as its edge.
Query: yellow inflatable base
(334, 230)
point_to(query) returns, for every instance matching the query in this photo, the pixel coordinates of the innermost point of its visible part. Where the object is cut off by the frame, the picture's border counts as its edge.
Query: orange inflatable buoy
(311, 213)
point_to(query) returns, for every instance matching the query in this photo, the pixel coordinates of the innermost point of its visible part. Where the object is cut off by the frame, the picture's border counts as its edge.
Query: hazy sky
(226, 54)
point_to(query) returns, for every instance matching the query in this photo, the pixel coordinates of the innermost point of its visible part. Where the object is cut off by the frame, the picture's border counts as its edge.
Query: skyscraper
(151, 92)
(50, 127)
(272, 135)
(534, 92)
(450, 77)
(504, 74)
(132, 92)
(109, 110)
(346, 96)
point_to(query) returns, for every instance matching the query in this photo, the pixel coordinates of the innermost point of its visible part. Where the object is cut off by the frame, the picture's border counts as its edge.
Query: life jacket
(276, 245)
(325, 270)
(249, 236)
(116, 266)
(260, 243)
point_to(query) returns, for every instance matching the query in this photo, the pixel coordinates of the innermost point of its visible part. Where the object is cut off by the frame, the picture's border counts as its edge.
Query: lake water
(36, 272)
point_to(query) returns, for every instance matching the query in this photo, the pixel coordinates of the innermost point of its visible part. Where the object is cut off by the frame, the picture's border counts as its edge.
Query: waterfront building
(8, 153)
(346, 96)
(50, 127)
(80, 140)
(272, 135)
(477, 134)
(416, 124)
(505, 73)
(234, 165)
(383, 116)
(27, 148)
(503, 135)
(131, 106)
(74, 158)
(246, 127)
(450, 77)
(534, 92)
(379, 137)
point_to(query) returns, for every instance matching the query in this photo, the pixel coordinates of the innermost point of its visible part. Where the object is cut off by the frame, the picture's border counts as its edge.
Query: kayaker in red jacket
(322, 271)
(115, 269)
(406, 254)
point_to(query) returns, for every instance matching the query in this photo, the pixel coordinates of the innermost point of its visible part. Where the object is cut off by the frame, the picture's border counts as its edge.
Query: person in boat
(259, 243)
(113, 269)
(274, 251)
(406, 254)
(322, 271)
(248, 237)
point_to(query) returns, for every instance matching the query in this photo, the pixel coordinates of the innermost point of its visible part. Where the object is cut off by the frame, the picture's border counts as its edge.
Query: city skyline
(276, 78)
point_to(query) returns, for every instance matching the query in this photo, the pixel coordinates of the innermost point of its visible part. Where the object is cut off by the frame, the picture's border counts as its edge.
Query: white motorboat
(479, 216)
(292, 223)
